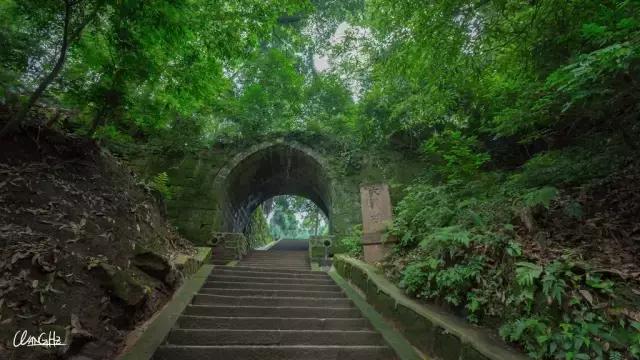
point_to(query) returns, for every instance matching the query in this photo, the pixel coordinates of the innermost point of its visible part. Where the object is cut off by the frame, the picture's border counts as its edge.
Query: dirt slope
(84, 250)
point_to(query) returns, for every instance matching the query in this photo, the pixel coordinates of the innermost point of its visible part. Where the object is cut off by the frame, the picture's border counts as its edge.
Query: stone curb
(394, 339)
(433, 331)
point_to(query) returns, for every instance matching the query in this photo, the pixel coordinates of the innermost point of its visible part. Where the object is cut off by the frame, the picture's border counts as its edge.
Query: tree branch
(68, 38)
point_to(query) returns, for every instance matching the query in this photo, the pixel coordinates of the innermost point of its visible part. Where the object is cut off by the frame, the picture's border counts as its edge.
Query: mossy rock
(123, 285)
(153, 264)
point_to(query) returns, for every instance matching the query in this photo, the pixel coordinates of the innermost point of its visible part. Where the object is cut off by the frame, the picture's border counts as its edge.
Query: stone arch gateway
(266, 170)
(214, 189)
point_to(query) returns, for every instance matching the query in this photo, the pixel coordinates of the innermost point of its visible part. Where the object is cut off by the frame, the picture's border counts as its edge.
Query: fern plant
(542, 196)
(527, 273)
(160, 183)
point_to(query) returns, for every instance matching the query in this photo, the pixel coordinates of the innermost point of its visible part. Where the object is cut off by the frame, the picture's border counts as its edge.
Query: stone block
(374, 253)
(347, 270)
(446, 345)
(122, 285)
(372, 291)
(416, 328)
(376, 217)
(316, 252)
(469, 353)
(376, 208)
(359, 278)
(385, 304)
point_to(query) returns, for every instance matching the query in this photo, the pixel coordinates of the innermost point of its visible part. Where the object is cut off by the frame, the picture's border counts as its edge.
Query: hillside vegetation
(85, 250)
(527, 112)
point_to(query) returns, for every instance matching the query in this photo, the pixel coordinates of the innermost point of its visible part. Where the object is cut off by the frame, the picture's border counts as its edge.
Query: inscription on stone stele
(376, 208)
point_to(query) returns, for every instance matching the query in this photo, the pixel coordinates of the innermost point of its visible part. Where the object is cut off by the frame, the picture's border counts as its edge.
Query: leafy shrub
(569, 326)
(351, 243)
(460, 249)
(569, 167)
(458, 155)
(541, 196)
(258, 233)
(111, 134)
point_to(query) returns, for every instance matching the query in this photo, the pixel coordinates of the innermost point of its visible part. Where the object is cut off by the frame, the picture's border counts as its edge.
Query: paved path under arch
(291, 245)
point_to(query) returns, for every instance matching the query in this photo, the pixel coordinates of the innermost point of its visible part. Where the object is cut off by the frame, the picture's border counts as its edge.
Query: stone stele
(376, 217)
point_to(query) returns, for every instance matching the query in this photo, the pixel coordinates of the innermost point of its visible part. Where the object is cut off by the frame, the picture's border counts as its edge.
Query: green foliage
(458, 156)
(160, 183)
(461, 250)
(526, 273)
(570, 325)
(295, 217)
(258, 232)
(351, 244)
(542, 196)
(570, 166)
(510, 102)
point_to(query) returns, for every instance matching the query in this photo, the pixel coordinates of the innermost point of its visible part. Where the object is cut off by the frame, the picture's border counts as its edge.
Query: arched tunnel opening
(270, 171)
(287, 217)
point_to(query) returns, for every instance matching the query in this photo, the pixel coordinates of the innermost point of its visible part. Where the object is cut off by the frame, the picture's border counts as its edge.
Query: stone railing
(317, 247)
(430, 329)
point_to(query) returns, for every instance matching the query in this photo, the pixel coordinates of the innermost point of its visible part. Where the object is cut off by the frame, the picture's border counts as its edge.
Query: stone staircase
(271, 306)
(277, 259)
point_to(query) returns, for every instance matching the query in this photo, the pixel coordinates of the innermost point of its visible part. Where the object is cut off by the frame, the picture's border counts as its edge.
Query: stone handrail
(428, 328)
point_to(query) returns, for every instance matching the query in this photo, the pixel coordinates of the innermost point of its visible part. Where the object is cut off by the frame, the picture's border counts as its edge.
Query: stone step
(272, 307)
(271, 323)
(282, 263)
(263, 270)
(301, 352)
(279, 255)
(220, 262)
(257, 273)
(207, 299)
(273, 293)
(272, 337)
(276, 260)
(273, 280)
(275, 253)
(280, 267)
(269, 286)
(271, 311)
(273, 260)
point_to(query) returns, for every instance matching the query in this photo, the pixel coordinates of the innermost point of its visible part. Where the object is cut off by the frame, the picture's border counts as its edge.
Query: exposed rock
(153, 264)
(70, 214)
(123, 286)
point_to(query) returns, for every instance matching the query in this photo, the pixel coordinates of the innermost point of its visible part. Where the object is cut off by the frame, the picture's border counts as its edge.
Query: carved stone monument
(376, 217)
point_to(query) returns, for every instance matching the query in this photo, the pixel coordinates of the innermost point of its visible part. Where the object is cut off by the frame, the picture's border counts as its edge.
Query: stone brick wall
(203, 182)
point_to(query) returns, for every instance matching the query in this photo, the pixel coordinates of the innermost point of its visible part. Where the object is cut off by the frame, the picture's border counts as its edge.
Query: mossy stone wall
(202, 181)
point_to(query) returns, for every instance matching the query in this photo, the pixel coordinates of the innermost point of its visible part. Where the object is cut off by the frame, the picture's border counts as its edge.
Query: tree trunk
(97, 121)
(67, 38)
(22, 113)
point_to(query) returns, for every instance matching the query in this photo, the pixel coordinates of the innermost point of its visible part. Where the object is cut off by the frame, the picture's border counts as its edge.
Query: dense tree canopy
(295, 217)
(514, 104)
